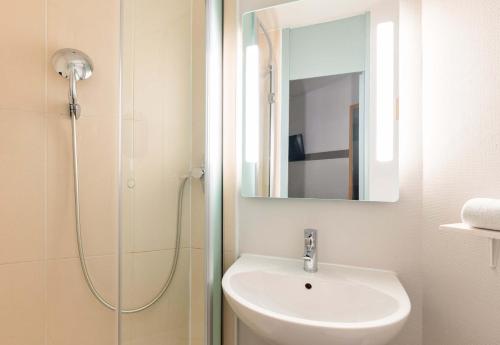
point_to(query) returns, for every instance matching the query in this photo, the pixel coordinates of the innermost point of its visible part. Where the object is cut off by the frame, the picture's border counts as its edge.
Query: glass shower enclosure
(110, 202)
(170, 191)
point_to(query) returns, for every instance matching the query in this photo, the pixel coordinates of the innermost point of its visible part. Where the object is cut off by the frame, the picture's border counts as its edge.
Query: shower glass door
(163, 207)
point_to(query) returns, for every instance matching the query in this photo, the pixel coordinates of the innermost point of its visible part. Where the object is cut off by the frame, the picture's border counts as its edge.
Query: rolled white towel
(482, 213)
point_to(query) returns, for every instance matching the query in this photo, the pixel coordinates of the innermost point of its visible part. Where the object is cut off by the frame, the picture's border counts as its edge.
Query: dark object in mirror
(296, 148)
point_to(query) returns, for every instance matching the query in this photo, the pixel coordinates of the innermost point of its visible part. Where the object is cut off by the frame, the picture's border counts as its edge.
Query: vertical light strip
(385, 92)
(252, 104)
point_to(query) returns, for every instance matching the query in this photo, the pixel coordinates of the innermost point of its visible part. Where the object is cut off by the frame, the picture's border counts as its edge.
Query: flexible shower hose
(81, 249)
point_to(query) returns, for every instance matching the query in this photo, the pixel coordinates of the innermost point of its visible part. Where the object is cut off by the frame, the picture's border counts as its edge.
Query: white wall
(383, 235)
(461, 159)
(461, 79)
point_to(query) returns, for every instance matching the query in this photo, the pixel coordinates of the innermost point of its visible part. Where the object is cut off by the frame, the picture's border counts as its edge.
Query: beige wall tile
(127, 209)
(230, 324)
(159, 140)
(61, 239)
(93, 27)
(128, 36)
(198, 123)
(127, 280)
(176, 143)
(127, 296)
(22, 292)
(22, 55)
(168, 320)
(35, 153)
(163, 108)
(155, 212)
(98, 187)
(162, 53)
(22, 186)
(74, 316)
(150, 272)
(103, 271)
(178, 299)
(197, 214)
(148, 77)
(99, 184)
(127, 202)
(229, 257)
(153, 15)
(197, 191)
(197, 296)
(229, 320)
(198, 81)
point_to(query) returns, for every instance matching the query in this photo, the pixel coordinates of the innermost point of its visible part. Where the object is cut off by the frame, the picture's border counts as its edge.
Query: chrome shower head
(67, 61)
(74, 65)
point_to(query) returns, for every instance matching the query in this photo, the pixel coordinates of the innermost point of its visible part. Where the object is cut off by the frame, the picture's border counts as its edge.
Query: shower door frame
(213, 177)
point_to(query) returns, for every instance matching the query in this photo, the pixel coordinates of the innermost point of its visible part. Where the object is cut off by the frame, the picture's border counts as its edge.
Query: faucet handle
(309, 241)
(310, 236)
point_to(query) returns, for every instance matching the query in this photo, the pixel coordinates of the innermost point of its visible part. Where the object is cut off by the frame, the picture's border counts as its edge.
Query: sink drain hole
(308, 286)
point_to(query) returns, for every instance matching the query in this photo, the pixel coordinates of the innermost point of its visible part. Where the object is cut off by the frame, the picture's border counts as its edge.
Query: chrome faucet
(310, 250)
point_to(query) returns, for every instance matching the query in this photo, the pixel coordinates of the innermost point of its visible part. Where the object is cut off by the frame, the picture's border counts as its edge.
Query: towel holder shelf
(491, 235)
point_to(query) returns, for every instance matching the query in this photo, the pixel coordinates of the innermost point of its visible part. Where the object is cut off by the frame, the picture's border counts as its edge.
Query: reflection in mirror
(320, 100)
(332, 140)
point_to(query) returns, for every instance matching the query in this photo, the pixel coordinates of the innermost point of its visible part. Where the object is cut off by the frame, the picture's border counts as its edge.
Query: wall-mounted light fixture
(385, 92)
(252, 104)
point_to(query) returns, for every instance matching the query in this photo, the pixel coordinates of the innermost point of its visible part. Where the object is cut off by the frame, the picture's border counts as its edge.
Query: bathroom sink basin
(338, 305)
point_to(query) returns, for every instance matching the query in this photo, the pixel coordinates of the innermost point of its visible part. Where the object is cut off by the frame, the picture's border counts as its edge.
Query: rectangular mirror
(320, 100)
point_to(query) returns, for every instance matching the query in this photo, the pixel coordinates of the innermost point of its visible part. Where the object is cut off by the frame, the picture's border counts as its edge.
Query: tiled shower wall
(163, 136)
(43, 298)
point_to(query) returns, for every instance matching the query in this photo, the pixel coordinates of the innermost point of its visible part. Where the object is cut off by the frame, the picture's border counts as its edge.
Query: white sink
(338, 305)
